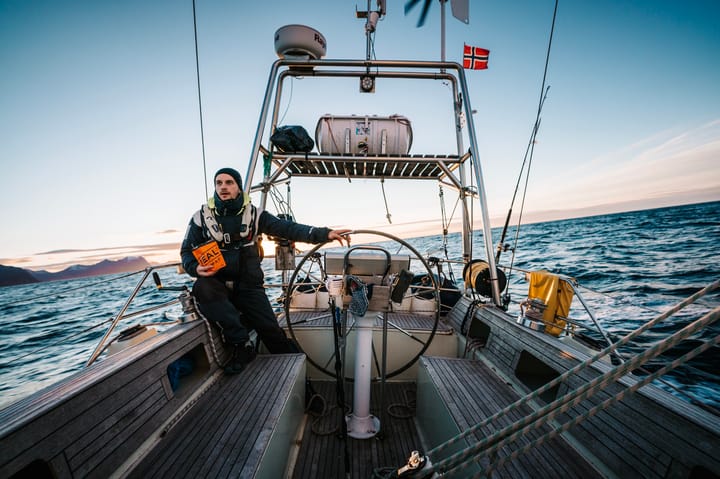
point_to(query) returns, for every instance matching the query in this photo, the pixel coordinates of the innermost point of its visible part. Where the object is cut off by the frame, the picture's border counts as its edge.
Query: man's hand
(205, 271)
(340, 235)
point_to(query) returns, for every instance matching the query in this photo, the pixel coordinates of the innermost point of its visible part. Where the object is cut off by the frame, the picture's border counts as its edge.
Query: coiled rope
(629, 365)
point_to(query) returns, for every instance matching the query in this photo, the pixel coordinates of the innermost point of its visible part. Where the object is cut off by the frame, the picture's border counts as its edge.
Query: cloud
(57, 260)
(660, 166)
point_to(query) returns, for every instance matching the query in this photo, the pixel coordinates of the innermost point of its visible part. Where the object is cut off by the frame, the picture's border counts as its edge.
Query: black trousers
(239, 309)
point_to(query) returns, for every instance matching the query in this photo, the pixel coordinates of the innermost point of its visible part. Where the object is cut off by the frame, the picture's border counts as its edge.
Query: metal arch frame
(412, 69)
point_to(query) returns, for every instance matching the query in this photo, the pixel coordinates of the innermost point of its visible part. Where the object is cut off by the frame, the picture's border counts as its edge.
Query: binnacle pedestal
(360, 423)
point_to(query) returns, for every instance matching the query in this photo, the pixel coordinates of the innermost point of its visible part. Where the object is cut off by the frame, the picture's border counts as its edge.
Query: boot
(242, 355)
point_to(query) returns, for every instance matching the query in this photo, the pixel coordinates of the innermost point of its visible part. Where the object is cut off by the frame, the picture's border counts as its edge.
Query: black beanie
(232, 172)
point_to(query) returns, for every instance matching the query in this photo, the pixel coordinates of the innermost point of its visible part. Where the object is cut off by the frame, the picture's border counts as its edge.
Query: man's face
(226, 187)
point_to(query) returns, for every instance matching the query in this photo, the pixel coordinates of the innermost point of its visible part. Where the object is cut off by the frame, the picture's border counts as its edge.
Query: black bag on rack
(292, 138)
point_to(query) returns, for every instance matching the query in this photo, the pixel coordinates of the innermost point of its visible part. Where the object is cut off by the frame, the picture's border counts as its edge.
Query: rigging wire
(287, 107)
(528, 152)
(446, 225)
(279, 202)
(387, 209)
(202, 129)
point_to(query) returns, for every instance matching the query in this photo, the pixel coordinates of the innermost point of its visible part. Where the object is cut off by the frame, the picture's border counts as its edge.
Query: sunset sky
(100, 137)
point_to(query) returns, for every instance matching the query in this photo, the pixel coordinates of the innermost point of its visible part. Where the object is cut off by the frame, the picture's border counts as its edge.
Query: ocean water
(630, 267)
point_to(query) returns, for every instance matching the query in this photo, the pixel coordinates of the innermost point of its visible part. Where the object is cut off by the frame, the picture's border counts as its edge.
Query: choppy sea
(630, 268)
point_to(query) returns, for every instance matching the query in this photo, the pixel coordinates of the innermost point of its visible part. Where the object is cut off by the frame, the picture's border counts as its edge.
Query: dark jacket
(241, 256)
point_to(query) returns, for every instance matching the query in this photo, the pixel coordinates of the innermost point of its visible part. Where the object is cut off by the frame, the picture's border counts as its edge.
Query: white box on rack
(363, 135)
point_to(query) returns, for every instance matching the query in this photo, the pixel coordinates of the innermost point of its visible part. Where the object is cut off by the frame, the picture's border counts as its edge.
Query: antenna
(372, 17)
(367, 81)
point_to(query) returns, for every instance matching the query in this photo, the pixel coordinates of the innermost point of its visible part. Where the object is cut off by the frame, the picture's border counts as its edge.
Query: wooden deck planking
(86, 424)
(227, 432)
(90, 450)
(322, 455)
(649, 432)
(470, 401)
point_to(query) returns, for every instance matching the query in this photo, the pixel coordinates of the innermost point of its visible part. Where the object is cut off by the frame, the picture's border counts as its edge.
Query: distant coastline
(12, 276)
(59, 261)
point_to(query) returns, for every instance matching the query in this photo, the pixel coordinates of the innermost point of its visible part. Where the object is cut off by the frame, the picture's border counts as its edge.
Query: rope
(409, 405)
(605, 404)
(197, 71)
(387, 210)
(578, 367)
(446, 226)
(339, 383)
(290, 97)
(282, 206)
(529, 151)
(320, 416)
(209, 331)
(561, 405)
(443, 214)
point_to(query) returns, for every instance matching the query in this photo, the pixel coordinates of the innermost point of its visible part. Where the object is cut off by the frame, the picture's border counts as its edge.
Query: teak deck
(470, 391)
(322, 451)
(229, 432)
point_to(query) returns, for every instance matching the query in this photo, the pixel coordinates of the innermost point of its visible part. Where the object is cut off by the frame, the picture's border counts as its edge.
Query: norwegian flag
(475, 58)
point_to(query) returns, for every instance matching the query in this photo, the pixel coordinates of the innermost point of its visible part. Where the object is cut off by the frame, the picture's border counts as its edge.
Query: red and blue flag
(475, 58)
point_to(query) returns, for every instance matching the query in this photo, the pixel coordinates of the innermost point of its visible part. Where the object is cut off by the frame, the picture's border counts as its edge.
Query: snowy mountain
(11, 276)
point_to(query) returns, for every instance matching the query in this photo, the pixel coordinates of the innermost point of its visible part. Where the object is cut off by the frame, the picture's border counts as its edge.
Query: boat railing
(183, 299)
(574, 285)
(530, 307)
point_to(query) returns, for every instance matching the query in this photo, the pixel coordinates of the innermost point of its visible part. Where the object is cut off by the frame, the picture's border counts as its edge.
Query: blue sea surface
(630, 267)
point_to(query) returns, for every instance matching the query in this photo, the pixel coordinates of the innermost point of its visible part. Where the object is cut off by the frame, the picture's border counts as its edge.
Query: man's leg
(214, 303)
(258, 314)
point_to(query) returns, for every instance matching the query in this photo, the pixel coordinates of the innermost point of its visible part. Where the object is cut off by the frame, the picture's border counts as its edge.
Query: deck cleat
(417, 467)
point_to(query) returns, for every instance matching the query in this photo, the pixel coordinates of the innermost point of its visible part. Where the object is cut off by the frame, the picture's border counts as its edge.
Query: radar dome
(299, 42)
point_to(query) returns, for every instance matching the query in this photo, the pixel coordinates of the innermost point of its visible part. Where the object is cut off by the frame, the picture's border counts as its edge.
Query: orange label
(208, 254)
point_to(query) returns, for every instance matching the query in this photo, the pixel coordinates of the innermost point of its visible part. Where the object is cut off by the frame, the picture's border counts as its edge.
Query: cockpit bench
(243, 426)
(454, 394)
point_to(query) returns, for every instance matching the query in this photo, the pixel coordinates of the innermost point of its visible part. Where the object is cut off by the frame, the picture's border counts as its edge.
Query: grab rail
(121, 315)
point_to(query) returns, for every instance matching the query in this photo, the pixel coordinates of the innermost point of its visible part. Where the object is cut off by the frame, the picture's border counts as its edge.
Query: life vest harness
(205, 218)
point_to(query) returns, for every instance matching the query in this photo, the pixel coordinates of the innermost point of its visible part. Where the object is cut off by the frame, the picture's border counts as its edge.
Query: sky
(100, 129)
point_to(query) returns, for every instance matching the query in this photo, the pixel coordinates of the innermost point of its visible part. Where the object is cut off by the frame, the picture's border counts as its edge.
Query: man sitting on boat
(224, 292)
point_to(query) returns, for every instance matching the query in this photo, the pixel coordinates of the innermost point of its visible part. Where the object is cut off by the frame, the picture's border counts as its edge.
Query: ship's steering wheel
(310, 274)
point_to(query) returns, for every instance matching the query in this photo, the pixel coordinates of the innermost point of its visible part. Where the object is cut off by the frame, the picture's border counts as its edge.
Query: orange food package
(208, 254)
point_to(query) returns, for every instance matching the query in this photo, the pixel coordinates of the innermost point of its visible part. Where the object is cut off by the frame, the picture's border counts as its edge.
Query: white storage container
(363, 135)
